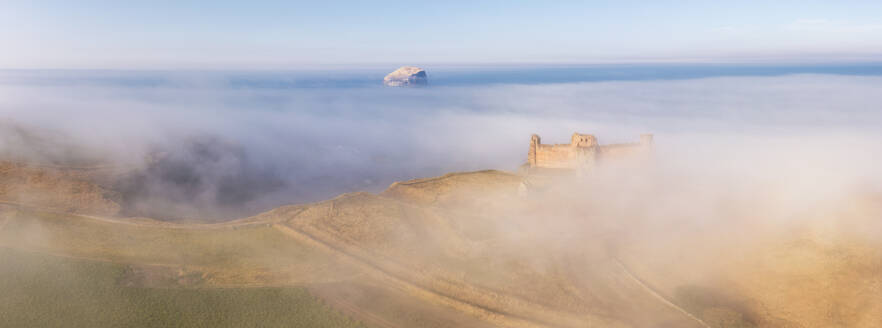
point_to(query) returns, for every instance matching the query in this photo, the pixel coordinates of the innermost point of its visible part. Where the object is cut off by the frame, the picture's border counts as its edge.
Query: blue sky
(295, 34)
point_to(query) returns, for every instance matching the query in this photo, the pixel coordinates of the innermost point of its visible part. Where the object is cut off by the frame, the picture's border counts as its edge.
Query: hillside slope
(470, 249)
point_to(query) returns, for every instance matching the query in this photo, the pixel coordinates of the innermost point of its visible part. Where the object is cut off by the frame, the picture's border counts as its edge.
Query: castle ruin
(581, 153)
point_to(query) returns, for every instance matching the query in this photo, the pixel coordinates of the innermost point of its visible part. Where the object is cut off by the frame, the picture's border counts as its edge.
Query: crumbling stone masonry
(581, 153)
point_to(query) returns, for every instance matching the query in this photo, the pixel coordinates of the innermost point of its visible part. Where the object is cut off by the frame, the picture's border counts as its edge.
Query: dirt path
(353, 310)
(172, 225)
(150, 223)
(149, 264)
(498, 318)
(373, 302)
(656, 294)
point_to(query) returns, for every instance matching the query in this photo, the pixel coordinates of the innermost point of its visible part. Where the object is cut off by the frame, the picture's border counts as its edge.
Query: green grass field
(47, 291)
(245, 256)
(74, 235)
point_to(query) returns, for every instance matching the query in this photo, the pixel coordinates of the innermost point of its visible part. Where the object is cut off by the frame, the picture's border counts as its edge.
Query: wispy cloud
(831, 26)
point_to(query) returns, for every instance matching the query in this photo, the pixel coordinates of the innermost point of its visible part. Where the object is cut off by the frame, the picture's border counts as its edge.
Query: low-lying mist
(756, 206)
(197, 147)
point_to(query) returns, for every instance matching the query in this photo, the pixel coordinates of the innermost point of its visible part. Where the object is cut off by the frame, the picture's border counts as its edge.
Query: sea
(441, 76)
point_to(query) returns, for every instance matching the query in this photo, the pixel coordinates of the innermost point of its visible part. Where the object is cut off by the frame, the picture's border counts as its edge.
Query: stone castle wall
(582, 152)
(554, 156)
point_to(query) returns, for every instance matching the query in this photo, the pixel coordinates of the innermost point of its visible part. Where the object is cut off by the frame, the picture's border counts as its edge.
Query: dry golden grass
(54, 188)
(468, 243)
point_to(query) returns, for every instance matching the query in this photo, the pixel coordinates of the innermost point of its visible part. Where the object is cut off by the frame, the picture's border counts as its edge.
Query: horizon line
(476, 64)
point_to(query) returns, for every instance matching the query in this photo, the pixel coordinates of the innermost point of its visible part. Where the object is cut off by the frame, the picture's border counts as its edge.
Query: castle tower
(584, 152)
(532, 158)
(583, 140)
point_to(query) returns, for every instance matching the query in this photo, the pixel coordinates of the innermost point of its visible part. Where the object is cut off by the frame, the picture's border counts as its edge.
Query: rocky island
(406, 76)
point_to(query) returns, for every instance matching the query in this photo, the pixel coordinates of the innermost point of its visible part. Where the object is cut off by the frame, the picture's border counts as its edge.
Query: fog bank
(202, 145)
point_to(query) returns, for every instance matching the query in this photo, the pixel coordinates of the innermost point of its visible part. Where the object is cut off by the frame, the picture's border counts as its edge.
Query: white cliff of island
(406, 76)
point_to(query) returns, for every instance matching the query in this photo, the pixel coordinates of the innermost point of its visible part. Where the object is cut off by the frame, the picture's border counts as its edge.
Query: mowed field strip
(657, 295)
(400, 283)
